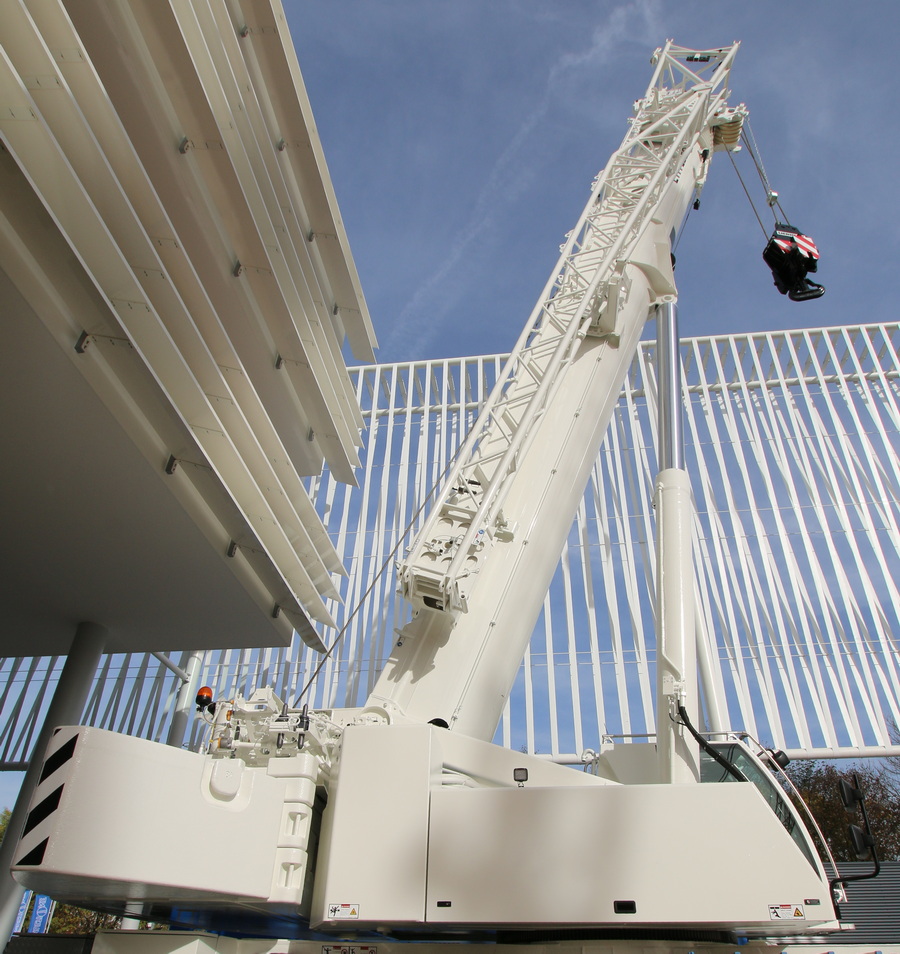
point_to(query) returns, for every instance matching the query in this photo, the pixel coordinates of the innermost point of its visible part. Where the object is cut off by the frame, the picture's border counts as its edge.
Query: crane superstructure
(401, 818)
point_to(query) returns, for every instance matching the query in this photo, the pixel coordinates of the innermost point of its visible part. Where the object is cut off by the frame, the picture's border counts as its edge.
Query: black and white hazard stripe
(47, 798)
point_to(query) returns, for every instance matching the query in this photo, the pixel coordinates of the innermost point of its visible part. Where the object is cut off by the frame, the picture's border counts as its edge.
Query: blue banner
(40, 916)
(23, 910)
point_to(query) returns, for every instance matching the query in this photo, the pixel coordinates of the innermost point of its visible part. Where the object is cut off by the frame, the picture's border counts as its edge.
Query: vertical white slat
(829, 577)
(551, 676)
(767, 445)
(797, 602)
(613, 616)
(529, 702)
(754, 603)
(386, 538)
(869, 495)
(829, 460)
(713, 686)
(13, 694)
(595, 717)
(725, 584)
(573, 693)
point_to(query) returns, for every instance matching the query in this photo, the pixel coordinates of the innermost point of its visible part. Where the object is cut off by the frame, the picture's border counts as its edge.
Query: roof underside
(176, 288)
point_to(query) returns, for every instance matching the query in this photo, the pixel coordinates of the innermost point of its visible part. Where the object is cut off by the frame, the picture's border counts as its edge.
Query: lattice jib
(583, 297)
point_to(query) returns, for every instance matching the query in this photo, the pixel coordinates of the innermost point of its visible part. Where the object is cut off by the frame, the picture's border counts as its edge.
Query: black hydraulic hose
(709, 749)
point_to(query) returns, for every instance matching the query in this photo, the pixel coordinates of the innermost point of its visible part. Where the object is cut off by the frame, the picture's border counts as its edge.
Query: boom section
(684, 110)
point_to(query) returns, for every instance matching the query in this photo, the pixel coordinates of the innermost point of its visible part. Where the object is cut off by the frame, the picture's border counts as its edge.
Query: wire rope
(684, 222)
(747, 193)
(771, 195)
(361, 601)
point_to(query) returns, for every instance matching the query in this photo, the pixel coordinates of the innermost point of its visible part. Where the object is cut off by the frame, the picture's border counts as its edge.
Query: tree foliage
(818, 784)
(71, 920)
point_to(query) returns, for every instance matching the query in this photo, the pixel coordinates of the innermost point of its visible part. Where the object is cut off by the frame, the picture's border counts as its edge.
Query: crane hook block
(792, 255)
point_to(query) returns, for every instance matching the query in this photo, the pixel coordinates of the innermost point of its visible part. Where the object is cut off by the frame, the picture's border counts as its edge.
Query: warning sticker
(786, 912)
(338, 912)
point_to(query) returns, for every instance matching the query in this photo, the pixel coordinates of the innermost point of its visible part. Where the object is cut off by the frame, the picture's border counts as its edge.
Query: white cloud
(419, 320)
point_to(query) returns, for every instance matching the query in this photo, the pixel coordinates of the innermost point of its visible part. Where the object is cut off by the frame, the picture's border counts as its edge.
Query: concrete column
(66, 708)
(184, 702)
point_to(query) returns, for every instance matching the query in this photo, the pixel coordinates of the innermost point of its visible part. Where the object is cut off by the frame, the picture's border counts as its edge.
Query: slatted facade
(792, 443)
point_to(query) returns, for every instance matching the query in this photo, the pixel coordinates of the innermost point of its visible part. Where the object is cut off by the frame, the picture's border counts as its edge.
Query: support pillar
(66, 708)
(184, 702)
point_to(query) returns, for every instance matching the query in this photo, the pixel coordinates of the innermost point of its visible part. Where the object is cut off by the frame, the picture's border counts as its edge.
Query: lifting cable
(749, 141)
(747, 193)
(381, 571)
(771, 195)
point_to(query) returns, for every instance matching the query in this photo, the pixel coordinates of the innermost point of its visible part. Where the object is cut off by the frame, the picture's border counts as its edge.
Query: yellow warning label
(786, 912)
(339, 911)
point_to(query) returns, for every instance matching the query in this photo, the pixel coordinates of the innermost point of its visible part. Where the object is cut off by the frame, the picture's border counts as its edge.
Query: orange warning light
(204, 698)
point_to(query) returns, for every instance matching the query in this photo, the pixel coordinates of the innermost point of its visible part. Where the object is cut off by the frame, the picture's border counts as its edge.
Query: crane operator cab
(791, 256)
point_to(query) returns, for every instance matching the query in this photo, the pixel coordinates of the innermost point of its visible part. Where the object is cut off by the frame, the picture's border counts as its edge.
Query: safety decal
(338, 912)
(786, 912)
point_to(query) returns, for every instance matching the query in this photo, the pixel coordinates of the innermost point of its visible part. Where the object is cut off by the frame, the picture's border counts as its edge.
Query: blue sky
(462, 137)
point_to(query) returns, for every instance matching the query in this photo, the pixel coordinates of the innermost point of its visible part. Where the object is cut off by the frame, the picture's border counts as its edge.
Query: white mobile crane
(400, 818)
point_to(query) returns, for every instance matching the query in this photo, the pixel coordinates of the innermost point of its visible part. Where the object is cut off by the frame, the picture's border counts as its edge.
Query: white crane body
(401, 817)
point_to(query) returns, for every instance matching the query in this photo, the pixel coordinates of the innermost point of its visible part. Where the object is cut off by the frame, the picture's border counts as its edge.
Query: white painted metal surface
(560, 848)
(206, 814)
(589, 848)
(424, 829)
